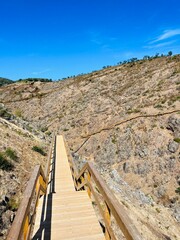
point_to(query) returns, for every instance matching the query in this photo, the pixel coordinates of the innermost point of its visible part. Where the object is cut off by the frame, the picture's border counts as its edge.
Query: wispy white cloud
(163, 39)
(41, 72)
(158, 45)
(166, 34)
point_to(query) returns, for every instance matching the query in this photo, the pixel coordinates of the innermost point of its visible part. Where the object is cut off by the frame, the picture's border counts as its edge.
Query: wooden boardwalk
(64, 213)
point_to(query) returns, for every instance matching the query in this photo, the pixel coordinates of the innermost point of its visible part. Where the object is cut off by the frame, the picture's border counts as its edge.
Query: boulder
(173, 146)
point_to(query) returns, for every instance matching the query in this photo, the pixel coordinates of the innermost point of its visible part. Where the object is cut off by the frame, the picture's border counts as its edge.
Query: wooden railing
(109, 207)
(37, 186)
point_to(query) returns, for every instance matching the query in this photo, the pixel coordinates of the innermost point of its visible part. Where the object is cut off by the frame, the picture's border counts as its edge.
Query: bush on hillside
(177, 190)
(4, 114)
(4, 163)
(13, 204)
(39, 150)
(11, 154)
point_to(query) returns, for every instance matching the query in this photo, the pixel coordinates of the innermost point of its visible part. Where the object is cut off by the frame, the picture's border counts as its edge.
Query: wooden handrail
(37, 186)
(89, 178)
(51, 150)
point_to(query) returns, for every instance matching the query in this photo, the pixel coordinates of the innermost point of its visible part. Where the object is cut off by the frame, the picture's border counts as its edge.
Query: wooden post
(107, 215)
(26, 228)
(88, 177)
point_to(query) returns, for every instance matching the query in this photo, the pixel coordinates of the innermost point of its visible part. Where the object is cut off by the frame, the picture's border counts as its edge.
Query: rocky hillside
(126, 120)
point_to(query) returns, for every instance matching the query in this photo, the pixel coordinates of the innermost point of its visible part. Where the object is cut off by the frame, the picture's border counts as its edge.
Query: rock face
(126, 120)
(174, 126)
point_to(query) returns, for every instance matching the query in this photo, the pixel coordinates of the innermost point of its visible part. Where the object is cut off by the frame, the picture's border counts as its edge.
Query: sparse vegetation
(18, 113)
(29, 128)
(5, 159)
(158, 210)
(65, 129)
(35, 80)
(177, 190)
(13, 204)
(114, 140)
(133, 111)
(4, 113)
(48, 133)
(39, 150)
(125, 204)
(11, 154)
(44, 129)
(177, 140)
(158, 106)
(4, 163)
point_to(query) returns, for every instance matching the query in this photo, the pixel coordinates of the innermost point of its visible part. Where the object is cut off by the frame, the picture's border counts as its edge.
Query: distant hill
(5, 81)
(35, 80)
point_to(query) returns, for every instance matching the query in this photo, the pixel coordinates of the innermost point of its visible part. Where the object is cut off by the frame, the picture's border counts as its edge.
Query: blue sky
(60, 38)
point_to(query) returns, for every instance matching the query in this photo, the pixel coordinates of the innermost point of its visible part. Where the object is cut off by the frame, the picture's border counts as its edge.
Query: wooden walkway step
(64, 213)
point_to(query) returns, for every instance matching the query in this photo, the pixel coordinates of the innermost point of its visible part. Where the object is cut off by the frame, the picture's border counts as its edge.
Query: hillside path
(64, 213)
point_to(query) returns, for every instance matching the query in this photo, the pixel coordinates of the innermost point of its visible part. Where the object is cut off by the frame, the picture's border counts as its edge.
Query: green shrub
(133, 111)
(5, 114)
(18, 113)
(39, 150)
(177, 140)
(158, 210)
(48, 133)
(44, 129)
(65, 129)
(113, 140)
(158, 106)
(4, 163)
(11, 154)
(177, 190)
(13, 204)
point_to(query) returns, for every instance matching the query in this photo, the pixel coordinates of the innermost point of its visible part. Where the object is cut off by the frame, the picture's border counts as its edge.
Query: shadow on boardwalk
(44, 231)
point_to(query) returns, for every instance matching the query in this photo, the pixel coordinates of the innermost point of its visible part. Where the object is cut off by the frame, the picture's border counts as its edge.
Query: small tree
(170, 53)
(146, 57)
(157, 55)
